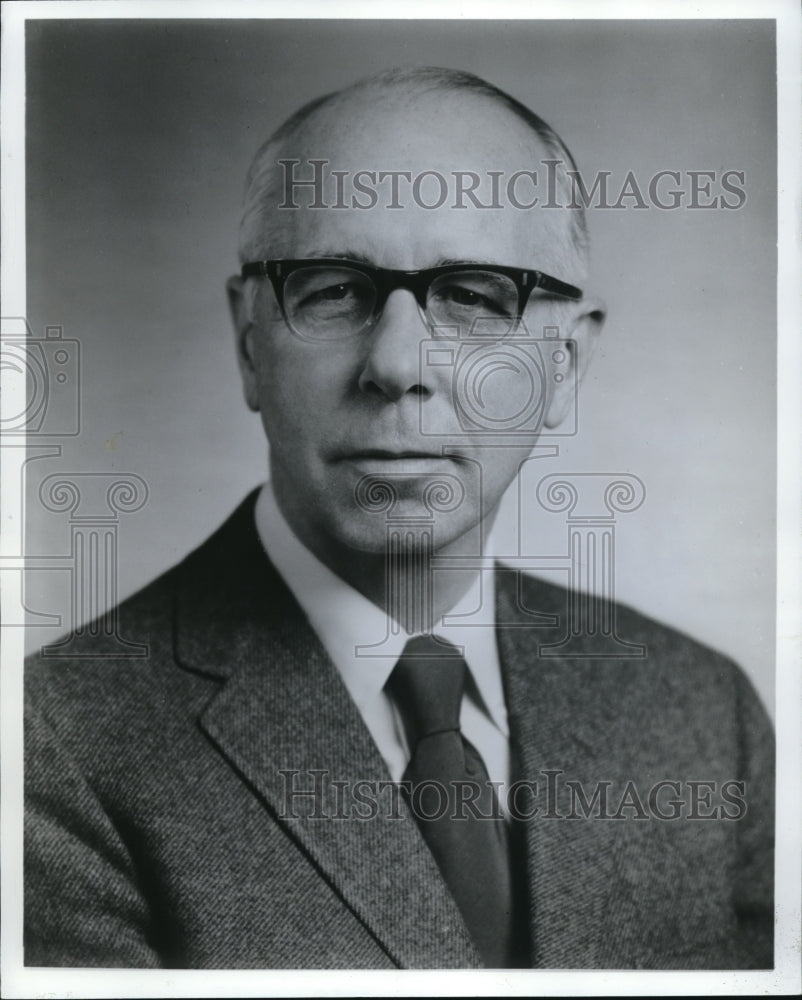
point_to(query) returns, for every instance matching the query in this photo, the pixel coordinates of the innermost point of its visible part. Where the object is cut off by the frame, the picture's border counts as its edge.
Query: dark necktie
(445, 773)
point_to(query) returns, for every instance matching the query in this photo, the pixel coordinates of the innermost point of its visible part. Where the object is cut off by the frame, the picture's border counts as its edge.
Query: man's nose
(392, 365)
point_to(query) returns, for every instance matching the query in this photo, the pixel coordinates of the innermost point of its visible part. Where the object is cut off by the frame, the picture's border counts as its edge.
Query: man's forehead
(429, 130)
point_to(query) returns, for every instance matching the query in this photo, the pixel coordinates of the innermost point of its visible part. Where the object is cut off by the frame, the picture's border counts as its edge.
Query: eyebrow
(340, 255)
(468, 261)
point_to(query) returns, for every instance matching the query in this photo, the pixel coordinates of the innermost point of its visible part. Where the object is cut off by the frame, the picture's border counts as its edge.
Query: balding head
(424, 100)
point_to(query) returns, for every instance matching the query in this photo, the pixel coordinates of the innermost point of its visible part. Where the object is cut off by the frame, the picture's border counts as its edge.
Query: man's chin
(409, 528)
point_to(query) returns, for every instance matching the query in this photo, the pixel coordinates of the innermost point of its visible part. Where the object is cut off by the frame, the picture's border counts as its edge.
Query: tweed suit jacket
(158, 832)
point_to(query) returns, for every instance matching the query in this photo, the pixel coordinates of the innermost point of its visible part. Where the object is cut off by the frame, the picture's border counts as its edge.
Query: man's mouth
(396, 455)
(404, 460)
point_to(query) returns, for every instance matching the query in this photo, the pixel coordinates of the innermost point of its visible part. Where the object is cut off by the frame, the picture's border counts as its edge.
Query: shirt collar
(361, 639)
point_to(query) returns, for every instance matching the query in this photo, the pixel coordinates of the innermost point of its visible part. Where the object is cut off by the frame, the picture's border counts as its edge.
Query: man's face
(338, 410)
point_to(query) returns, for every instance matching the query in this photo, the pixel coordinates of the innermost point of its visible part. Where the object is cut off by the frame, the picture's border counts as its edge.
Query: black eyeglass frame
(387, 280)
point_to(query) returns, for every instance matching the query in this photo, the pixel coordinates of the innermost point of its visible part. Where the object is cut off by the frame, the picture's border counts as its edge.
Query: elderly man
(349, 745)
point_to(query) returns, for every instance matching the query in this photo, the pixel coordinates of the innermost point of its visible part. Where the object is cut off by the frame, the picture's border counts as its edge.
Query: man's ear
(582, 326)
(243, 333)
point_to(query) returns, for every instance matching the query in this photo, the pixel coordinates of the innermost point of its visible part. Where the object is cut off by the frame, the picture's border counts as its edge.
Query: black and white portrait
(393, 512)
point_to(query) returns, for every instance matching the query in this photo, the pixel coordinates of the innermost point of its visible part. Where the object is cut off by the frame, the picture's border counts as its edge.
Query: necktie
(450, 798)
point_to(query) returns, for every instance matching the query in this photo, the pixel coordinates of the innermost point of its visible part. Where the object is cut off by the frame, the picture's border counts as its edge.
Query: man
(351, 744)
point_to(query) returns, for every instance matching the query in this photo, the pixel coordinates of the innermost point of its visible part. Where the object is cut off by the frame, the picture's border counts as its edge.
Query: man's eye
(341, 292)
(468, 298)
(332, 293)
(462, 296)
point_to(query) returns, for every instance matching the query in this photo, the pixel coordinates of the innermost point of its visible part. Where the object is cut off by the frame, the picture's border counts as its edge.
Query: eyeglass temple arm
(549, 284)
(256, 269)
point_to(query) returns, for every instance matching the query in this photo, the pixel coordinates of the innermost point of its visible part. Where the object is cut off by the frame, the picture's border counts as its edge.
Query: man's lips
(391, 454)
(397, 460)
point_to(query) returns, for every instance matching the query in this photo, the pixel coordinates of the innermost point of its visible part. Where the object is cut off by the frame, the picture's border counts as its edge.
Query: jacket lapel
(285, 721)
(558, 716)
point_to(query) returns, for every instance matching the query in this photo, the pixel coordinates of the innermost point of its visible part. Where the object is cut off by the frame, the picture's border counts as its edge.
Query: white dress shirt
(357, 636)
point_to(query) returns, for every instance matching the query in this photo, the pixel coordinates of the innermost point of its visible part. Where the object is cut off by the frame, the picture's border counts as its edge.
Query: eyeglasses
(330, 298)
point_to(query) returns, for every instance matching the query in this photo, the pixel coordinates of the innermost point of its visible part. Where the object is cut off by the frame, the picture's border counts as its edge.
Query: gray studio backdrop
(138, 137)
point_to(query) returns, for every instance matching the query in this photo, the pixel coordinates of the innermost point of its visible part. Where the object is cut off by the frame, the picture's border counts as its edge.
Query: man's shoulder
(633, 627)
(655, 658)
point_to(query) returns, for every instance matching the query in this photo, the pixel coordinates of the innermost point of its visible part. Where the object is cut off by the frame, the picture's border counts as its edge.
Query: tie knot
(426, 685)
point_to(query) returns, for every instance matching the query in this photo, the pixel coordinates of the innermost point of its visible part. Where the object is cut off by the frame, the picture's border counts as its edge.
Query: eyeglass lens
(328, 303)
